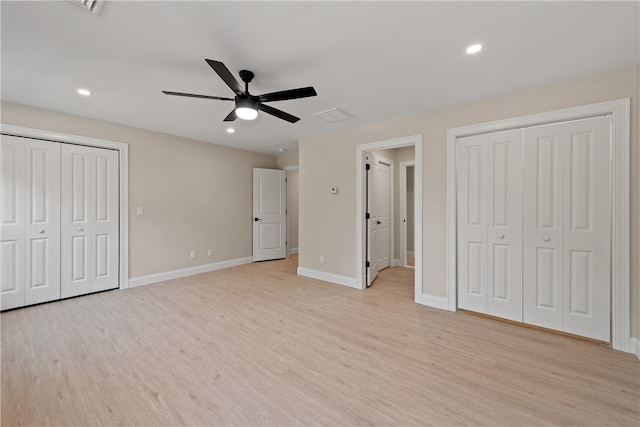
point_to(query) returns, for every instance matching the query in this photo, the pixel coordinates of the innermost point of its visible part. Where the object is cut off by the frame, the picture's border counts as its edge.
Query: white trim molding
(123, 166)
(620, 111)
(402, 188)
(290, 168)
(184, 272)
(293, 251)
(328, 277)
(361, 192)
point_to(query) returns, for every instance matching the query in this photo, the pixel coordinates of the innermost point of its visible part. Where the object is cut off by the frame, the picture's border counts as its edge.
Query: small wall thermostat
(333, 189)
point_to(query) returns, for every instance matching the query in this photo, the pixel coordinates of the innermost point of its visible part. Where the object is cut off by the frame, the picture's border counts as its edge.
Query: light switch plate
(139, 210)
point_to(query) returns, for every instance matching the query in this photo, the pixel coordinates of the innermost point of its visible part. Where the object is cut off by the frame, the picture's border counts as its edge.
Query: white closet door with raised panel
(504, 224)
(543, 227)
(89, 220)
(472, 223)
(43, 221)
(12, 221)
(587, 228)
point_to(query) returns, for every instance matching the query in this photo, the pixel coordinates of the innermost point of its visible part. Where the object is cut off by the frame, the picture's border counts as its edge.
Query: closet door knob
(41, 231)
(80, 229)
(501, 236)
(546, 238)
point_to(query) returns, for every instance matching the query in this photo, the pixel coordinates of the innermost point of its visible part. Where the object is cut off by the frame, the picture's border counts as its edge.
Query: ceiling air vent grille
(333, 115)
(92, 6)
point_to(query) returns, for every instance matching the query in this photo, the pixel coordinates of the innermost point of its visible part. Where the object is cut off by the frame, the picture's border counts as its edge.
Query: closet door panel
(543, 227)
(12, 222)
(78, 207)
(472, 223)
(504, 196)
(587, 193)
(106, 227)
(42, 275)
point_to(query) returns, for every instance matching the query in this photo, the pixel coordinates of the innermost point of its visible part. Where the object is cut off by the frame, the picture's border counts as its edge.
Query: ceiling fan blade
(191, 95)
(283, 95)
(226, 76)
(278, 113)
(231, 117)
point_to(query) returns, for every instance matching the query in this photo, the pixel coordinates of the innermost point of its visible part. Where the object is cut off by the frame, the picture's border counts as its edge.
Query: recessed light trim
(84, 92)
(231, 130)
(474, 48)
(282, 150)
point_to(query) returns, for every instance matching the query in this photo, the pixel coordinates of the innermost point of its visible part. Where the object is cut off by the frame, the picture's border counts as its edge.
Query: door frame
(123, 177)
(620, 173)
(361, 193)
(402, 189)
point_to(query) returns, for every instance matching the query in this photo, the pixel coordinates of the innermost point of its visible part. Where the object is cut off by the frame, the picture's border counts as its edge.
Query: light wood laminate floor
(258, 345)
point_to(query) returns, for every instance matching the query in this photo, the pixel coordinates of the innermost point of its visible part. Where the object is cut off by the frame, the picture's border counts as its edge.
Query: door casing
(620, 208)
(123, 175)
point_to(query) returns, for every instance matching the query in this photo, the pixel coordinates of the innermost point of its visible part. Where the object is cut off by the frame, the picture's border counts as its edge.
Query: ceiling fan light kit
(247, 105)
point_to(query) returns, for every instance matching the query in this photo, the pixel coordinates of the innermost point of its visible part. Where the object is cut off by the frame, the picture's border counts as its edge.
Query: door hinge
(368, 166)
(367, 264)
(367, 215)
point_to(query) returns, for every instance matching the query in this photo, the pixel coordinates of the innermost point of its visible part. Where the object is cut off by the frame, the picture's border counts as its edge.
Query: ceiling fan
(247, 105)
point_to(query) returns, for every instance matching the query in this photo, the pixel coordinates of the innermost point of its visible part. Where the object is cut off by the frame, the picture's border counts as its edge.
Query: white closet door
(504, 227)
(587, 228)
(89, 220)
(472, 223)
(43, 221)
(12, 222)
(543, 227)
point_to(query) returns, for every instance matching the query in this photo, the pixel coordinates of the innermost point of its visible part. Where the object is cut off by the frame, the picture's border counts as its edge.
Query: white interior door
(490, 224)
(90, 222)
(543, 249)
(587, 228)
(379, 210)
(30, 249)
(504, 224)
(269, 214)
(12, 222)
(42, 258)
(472, 223)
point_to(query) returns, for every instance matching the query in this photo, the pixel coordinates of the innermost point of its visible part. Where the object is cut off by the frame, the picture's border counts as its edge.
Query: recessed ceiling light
(84, 92)
(282, 150)
(474, 48)
(231, 130)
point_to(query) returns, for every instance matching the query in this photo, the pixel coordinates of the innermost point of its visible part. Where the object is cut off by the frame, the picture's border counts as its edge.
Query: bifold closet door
(89, 220)
(30, 249)
(567, 204)
(490, 224)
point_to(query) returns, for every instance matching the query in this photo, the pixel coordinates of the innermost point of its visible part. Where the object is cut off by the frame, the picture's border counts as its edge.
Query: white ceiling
(375, 60)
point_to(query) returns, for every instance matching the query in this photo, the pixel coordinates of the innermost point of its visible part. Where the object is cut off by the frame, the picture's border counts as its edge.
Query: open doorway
(406, 195)
(365, 226)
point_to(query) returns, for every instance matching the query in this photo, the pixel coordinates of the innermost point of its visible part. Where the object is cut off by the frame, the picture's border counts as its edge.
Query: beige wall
(195, 195)
(328, 224)
(286, 161)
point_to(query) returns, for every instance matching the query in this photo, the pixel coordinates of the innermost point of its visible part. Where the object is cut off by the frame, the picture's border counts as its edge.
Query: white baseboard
(184, 272)
(293, 251)
(436, 302)
(411, 253)
(396, 263)
(634, 347)
(329, 277)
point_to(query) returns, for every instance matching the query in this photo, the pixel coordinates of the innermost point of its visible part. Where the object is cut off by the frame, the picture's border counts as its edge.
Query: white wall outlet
(333, 189)
(193, 254)
(209, 252)
(321, 258)
(139, 210)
